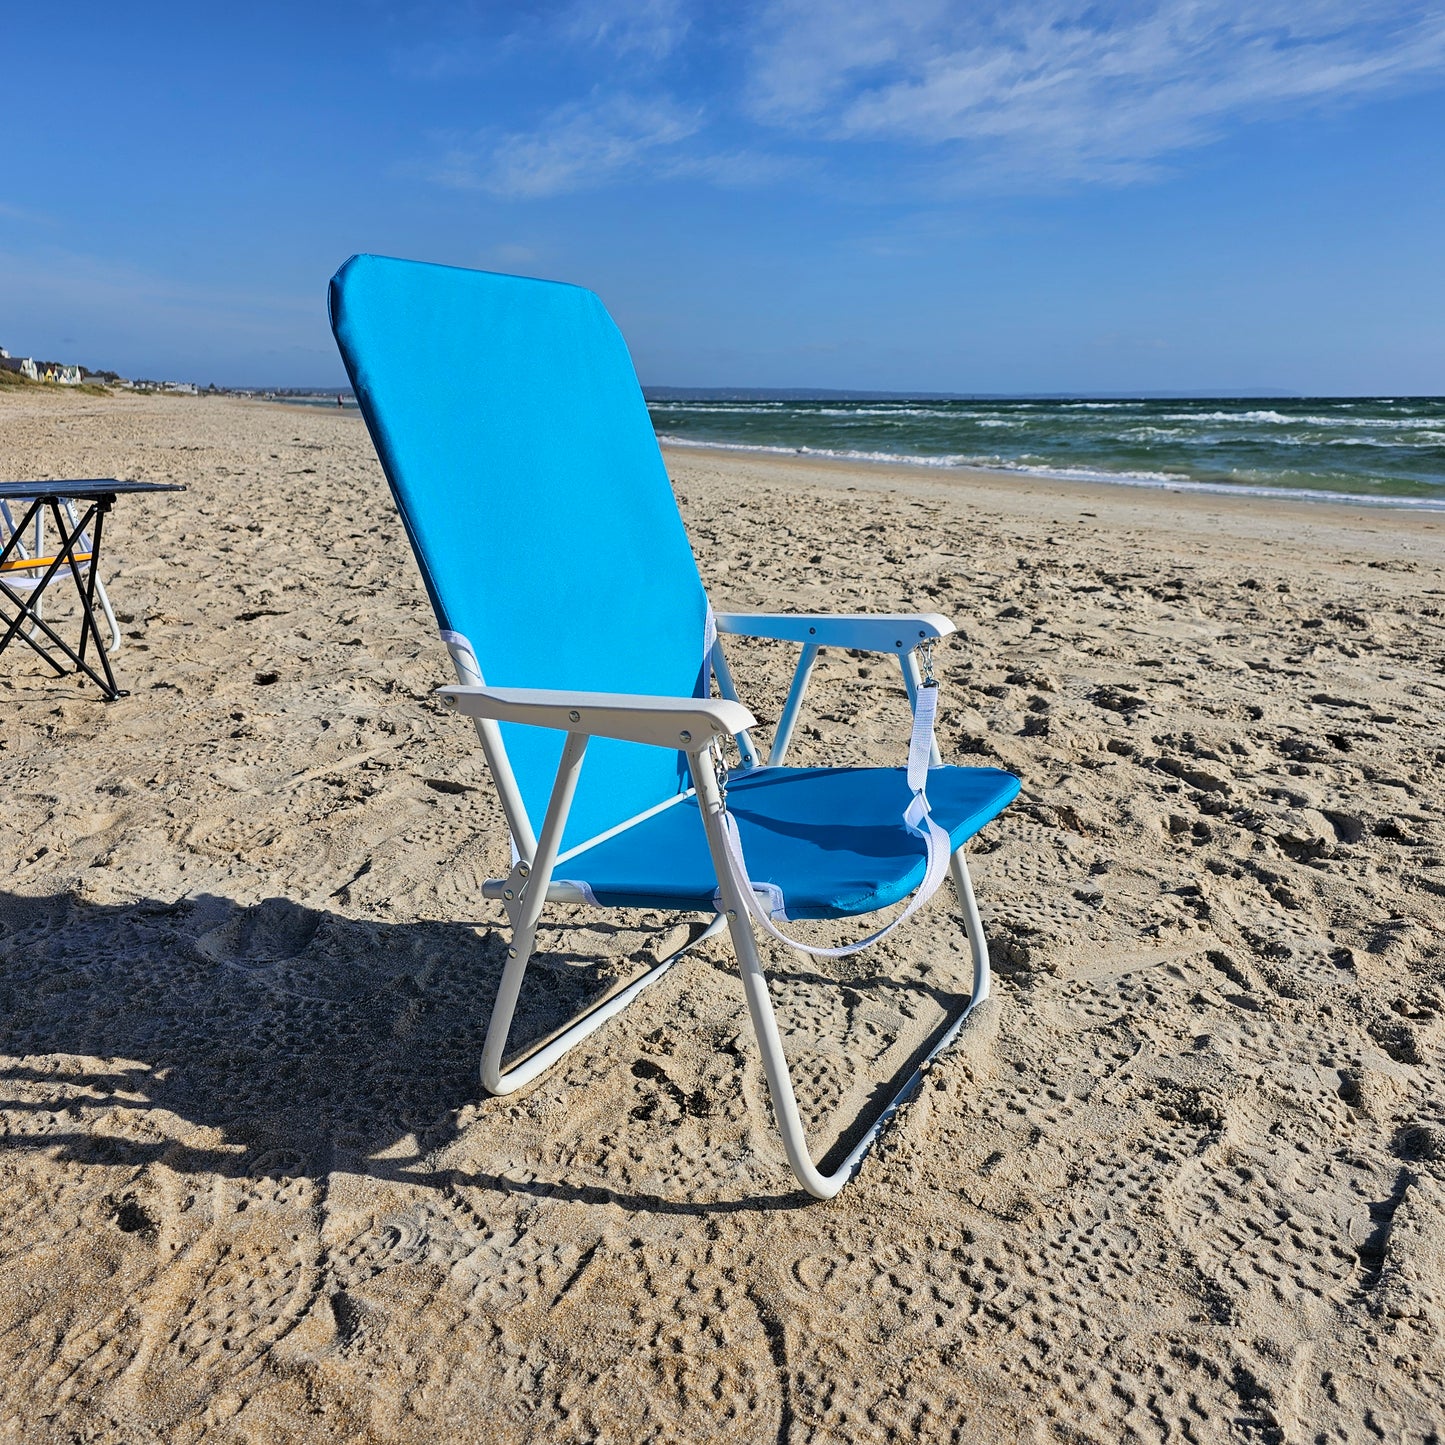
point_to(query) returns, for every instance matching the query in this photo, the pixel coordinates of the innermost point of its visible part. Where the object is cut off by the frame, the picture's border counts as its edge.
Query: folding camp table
(78, 558)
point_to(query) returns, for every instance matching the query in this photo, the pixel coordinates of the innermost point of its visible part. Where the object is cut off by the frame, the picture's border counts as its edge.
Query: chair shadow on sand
(304, 1041)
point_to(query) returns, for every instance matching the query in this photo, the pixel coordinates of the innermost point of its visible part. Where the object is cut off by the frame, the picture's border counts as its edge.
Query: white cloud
(733, 169)
(652, 29)
(579, 146)
(1062, 89)
(25, 216)
(510, 254)
(479, 39)
(893, 96)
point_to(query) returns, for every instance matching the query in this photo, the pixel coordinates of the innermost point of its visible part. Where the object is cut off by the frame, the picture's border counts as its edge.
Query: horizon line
(814, 393)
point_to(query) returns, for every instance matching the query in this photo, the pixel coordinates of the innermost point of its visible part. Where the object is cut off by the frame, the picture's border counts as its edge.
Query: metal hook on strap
(925, 657)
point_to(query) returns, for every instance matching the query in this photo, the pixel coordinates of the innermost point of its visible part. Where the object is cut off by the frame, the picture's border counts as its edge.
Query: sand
(1185, 1180)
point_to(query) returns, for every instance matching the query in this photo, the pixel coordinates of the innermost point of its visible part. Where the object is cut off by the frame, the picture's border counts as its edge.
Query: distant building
(24, 365)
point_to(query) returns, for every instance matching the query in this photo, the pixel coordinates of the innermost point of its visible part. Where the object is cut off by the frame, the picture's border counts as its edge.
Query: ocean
(1384, 450)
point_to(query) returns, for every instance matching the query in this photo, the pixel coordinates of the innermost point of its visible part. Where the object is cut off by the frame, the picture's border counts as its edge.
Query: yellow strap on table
(36, 563)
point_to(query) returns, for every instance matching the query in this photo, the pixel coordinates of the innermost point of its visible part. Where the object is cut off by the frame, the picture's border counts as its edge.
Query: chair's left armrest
(896, 632)
(685, 723)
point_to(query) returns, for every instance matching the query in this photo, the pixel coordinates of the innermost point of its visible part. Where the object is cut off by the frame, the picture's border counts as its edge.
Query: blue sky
(1043, 196)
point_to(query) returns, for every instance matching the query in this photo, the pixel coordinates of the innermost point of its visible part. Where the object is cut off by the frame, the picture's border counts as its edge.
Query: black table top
(88, 490)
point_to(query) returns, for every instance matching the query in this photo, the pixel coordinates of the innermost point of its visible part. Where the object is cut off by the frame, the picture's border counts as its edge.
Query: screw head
(732, 913)
(511, 953)
(685, 736)
(812, 632)
(574, 716)
(524, 870)
(508, 894)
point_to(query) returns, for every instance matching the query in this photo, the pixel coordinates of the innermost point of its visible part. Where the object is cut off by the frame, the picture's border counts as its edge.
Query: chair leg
(973, 926)
(775, 1064)
(525, 899)
(110, 619)
(100, 592)
(497, 1081)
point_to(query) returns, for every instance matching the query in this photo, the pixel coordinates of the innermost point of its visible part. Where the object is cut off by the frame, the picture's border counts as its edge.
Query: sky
(899, 195)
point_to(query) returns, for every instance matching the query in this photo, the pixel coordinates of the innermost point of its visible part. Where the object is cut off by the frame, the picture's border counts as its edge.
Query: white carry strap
(709, 641)
(916, 818)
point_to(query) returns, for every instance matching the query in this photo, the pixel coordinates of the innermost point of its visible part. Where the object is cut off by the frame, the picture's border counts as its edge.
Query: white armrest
(865, 631)
(687, 723)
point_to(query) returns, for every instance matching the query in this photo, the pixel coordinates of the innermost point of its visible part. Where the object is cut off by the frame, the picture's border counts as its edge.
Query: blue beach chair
(514, 435)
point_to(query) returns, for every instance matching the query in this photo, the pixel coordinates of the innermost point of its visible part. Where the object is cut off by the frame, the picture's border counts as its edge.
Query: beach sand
(1184, 1179)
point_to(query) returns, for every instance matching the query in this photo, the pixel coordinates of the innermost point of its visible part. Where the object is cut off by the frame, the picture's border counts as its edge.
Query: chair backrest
(511, 427)
(30, 559)
(36, 546)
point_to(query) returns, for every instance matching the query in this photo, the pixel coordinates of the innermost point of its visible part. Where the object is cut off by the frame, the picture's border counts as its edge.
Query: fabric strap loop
(916, 818)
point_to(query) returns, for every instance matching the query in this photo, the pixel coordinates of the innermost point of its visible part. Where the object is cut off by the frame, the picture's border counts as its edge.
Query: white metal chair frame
(695, 726)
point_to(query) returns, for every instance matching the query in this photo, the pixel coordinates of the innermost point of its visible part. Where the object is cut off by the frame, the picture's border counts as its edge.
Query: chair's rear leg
(495, 1081)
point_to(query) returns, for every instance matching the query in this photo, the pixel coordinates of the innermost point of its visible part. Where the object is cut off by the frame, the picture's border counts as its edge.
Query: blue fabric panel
(511, 427)
(832, 839)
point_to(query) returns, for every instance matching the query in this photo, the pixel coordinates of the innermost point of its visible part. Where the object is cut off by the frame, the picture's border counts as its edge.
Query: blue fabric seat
(831, 838)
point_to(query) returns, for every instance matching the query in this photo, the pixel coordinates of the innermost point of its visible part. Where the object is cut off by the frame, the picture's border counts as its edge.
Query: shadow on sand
(307, 1042)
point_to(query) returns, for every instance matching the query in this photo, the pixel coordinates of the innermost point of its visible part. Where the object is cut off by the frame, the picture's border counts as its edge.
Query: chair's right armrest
(898, 632)
(688, 724)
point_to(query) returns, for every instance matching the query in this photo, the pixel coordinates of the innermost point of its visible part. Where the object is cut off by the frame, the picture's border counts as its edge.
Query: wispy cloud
(1074, 90)
(937, 94)
(25, 215)
(466, 40)
(650, 29)
(735, 169)
(508, 254)
(578, 146)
